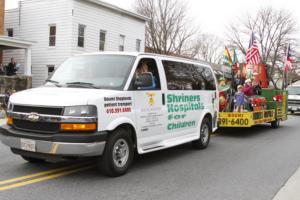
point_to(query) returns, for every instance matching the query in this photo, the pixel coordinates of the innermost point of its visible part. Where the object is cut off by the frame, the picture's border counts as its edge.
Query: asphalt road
(239, 164)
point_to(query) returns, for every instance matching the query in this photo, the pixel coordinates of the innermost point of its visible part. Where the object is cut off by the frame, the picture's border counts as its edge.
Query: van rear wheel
(204, 138)
(118, 154)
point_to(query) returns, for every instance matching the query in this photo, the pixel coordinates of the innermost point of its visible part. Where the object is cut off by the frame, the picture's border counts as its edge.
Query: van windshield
(97, 71)
(294, 90)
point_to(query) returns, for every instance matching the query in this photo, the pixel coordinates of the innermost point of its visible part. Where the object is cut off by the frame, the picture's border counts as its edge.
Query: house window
(122, 41)
(102, 40)
(52, 35)
(10, 32)
(138, 45)
(51, 69)
(81, 30)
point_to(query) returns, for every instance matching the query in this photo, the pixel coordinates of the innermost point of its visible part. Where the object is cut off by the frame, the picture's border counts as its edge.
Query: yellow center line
(44, 178)
(43, 173)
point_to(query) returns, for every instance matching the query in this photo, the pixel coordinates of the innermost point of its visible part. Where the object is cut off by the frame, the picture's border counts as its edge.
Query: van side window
(185, 76)
(147, 65)
(179, 75)
(210, 80)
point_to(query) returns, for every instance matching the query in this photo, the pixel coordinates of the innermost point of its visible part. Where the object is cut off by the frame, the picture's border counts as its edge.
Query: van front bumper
(294, 108)
(61, 144)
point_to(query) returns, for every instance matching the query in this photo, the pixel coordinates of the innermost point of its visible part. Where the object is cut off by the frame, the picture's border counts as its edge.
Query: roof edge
(118, 9)
(16, 40)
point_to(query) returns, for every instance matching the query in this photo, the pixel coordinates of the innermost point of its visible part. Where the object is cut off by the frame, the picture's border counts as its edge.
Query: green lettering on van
(179, 125)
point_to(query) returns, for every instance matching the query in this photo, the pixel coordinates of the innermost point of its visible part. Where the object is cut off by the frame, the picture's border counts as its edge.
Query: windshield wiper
(56, 83)
(84, 84)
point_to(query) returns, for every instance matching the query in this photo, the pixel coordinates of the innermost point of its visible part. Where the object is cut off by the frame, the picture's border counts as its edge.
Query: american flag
(252, 56)
(289, 59)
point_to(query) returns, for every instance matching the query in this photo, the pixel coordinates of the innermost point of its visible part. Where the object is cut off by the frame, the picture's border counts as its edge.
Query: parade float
(269, 106)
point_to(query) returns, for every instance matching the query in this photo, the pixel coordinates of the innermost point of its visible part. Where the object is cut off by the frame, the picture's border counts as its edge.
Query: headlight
(81, 111)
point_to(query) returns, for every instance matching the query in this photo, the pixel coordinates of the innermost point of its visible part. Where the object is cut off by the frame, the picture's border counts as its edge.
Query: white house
(62, 28)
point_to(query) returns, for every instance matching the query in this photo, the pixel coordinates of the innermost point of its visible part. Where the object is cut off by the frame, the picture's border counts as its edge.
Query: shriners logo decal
(151, 99)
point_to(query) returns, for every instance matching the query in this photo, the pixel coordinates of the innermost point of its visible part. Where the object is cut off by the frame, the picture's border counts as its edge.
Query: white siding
(36, 15)
(97, 17)
(12, 21)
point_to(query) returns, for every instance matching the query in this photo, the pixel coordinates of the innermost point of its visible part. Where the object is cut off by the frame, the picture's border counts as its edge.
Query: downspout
(20, 6)
(2, 13)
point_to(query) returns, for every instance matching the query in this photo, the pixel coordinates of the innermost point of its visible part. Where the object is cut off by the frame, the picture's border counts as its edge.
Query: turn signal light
(9, 120)
(78, 127)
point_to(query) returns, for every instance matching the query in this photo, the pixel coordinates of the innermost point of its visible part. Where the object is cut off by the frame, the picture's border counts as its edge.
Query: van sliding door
(149, 107)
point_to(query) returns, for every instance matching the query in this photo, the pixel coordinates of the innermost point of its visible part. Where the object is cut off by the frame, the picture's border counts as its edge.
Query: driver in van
(144, 68)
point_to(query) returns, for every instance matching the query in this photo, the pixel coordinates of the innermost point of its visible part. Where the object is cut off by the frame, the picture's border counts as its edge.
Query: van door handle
(163, 99)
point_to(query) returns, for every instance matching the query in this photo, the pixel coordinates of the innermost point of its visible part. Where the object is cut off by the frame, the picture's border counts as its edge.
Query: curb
(291, 189)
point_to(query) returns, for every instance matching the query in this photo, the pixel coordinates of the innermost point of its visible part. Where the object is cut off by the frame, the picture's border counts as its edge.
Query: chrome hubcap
(120, 153)
(204, 133)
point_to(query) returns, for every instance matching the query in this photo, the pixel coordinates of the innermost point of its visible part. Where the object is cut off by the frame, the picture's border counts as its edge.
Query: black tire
(33, 160)
(275, 124)
(204, 138)
(113, 163)
(292, 112)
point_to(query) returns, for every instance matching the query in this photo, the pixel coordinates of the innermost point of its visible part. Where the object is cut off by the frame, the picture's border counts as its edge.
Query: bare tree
(273, 29)
(207, 47)
(168, 30)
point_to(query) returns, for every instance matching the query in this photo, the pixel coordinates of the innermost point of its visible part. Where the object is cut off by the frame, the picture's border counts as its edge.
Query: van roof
(147, 54)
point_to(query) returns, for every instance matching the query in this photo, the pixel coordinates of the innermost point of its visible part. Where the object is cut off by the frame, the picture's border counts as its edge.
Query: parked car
(294, 97)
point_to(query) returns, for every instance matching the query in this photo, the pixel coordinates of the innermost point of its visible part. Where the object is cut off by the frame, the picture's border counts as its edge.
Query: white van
(113, 104)
(294, 97)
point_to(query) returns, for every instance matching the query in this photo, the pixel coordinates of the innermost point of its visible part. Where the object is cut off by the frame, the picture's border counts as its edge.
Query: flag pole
(285, 74)
(232, 75)
(232, 85)
(288, 70)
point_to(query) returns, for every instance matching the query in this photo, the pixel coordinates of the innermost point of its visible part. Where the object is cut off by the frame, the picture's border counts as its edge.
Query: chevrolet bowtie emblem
(34, 117)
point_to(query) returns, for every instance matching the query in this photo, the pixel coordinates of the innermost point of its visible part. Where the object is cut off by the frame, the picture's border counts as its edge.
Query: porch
(23, 80)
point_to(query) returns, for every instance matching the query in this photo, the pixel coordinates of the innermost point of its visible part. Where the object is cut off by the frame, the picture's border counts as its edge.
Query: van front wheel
(204, 138)
(118, 154)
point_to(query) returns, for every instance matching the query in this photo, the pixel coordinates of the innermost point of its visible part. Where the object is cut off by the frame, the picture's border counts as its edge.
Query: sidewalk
(2, 114)
(291, 189)
(2, 121)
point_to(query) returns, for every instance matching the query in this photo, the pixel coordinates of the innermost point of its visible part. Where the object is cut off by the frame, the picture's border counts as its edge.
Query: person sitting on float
(222, 85)
(248, 88)
(223, 94)
(256, 88)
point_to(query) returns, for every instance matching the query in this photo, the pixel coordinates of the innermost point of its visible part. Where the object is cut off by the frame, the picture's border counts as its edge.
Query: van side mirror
(144, 80)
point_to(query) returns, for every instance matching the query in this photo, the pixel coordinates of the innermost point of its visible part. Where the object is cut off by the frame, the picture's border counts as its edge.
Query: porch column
(27, 67)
